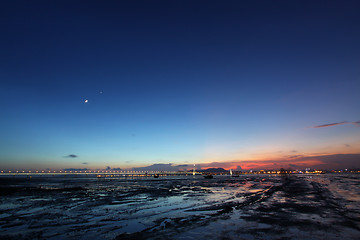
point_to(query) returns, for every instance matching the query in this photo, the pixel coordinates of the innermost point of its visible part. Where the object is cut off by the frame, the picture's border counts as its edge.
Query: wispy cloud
(357, 123)
(71, 156)
(294, 156)
(85, 163)
(329, 125)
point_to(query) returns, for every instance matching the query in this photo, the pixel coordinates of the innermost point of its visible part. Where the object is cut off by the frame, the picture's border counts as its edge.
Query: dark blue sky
(181, 81)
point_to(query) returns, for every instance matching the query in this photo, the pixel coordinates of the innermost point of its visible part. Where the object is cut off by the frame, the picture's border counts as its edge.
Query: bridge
(100, 173)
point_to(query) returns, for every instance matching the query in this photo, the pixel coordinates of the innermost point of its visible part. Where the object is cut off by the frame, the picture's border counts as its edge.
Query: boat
(156, 176)
(208, 176)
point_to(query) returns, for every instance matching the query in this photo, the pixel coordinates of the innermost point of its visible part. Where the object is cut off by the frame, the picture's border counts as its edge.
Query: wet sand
(184, 207)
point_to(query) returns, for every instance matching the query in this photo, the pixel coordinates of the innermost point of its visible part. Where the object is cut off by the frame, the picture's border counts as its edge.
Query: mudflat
(325, 206)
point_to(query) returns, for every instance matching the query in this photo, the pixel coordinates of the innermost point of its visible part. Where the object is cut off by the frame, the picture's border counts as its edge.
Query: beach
(252, 206)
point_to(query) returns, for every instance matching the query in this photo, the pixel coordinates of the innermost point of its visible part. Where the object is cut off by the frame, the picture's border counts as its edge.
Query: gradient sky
(239, 83)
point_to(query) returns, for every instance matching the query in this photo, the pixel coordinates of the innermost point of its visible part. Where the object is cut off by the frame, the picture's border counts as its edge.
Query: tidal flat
(325, 206)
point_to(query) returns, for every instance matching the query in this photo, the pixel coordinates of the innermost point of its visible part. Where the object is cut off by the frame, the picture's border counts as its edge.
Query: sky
(130, 84)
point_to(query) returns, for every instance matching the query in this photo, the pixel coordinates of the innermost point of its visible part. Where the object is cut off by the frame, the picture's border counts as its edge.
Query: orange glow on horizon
(293, 162)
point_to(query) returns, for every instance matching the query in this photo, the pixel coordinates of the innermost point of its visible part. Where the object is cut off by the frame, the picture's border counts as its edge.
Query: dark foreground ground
(188, 207)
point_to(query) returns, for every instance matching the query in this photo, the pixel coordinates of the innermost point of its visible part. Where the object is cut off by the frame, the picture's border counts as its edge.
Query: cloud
(294, 156)
(334, 161)
(295, 166)
(357, 123)
(71, 156)
(85, 163)
(329, 125)
(163, 167)
(185, 165)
